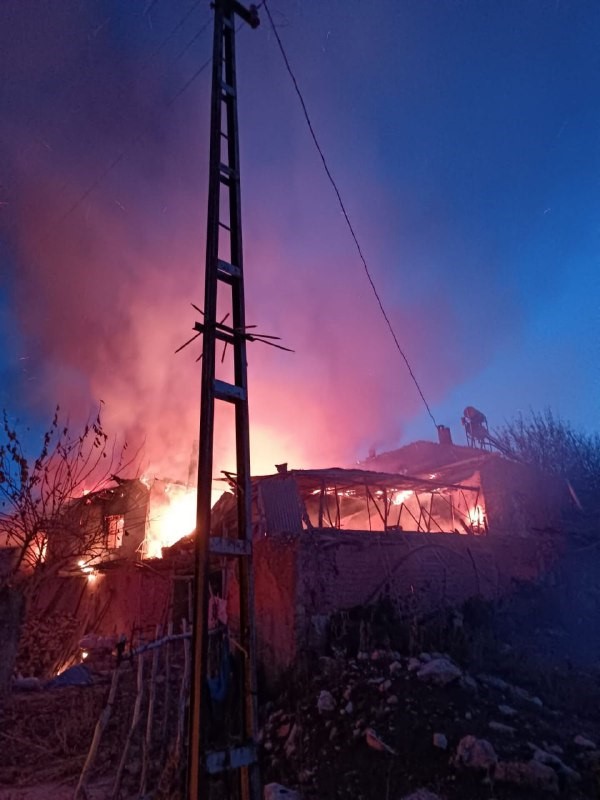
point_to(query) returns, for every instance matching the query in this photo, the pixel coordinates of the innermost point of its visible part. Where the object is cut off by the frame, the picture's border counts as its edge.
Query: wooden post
(80, 791)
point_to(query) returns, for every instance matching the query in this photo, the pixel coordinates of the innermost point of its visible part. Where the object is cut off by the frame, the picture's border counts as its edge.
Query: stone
(500, 727)
(384, 686)
(283, 730)
(421, 794)
(440, 740)
(424, 657)
(551, 760)
(474, 753)
(508, 711)
(395, 667)
(469, 683)
(376, 743)
(292, 741)
(584, 742)
(349, 707)
(439, 671)
(494, 682)
(392, 700)
(275, 791)
(530, 775)
(414, 664)
(325, 702)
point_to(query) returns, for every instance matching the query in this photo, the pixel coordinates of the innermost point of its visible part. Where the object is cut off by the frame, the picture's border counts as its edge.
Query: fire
(402, 497)
(477, 518)
(172, 516)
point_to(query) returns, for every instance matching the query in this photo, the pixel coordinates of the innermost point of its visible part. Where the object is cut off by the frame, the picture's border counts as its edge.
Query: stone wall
(302, 579)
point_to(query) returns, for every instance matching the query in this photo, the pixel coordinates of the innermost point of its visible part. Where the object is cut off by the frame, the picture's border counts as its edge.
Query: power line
(345, 213)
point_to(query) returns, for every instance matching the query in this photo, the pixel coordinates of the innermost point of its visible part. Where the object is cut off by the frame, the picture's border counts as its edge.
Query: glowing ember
(402, 497)
(477, 518)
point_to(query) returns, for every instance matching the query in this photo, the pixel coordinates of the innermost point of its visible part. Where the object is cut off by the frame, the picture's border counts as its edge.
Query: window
(115, 526)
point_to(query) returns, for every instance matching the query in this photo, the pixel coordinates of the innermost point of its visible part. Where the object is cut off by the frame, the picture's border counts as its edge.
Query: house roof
(448, 463)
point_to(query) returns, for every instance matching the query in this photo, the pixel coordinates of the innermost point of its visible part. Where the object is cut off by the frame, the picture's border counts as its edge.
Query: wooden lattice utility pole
(224, 272)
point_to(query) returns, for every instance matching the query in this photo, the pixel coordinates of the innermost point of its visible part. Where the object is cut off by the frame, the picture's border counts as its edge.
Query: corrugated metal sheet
(281, 504)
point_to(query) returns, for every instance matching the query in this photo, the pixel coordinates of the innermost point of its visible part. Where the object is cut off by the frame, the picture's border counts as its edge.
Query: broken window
(115, 526)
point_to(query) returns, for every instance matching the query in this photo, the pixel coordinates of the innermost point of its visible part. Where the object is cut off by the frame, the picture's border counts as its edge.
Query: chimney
(444, 434)
(281, 468)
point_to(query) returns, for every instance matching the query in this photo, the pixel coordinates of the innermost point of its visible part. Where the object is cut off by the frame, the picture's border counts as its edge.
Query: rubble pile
(385, 725)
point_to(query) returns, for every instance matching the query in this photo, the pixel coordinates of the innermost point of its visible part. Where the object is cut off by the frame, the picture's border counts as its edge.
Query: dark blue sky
(465, 138)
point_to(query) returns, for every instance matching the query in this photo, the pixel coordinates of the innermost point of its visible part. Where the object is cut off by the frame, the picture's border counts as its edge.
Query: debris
(440, 740)
(421, 794)
(500, 727)
(79, 675)
(531, 775)
(551, 760)
(275, 791)
(584, 742)
(508, 711)
(474, 753)
(439, 671)
(376, 743)
(325, 702)
(467, 682)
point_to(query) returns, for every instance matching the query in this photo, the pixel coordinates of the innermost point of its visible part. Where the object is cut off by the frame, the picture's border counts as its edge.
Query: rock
(349, 707)
(275, 791)
(328, 666)
(376, 743)
(395, 667)
(325, 702)
(440, 740)
(469, 683)
(292, 741)
(414, 664)
(584, 742)
(523, 694)
(377, 655)
(384, 686)
(421, 794)
(392, 700)
(425, 657)
(551, 760)
(283, 730)
(508, 711)
(530, 775)
(439, 671)
(474, 753)
(494, 682)
(500, 727)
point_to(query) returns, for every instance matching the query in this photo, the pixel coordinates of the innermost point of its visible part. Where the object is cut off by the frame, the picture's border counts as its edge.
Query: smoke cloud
(105, 252)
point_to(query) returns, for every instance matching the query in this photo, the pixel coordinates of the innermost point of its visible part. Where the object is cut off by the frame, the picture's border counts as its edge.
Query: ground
(327, 754)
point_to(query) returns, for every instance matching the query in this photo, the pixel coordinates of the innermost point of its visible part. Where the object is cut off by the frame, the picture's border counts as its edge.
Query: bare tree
(554, 446)
(42, 499)
(48, 520)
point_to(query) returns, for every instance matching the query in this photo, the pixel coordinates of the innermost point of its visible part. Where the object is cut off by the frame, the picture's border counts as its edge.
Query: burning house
(434, 521)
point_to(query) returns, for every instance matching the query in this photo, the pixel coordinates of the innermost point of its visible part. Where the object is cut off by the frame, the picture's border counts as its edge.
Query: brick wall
(302, 579)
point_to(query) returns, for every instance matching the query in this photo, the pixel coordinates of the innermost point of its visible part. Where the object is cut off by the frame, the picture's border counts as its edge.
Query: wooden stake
(81, 790)
(132, 728)
(150, 718)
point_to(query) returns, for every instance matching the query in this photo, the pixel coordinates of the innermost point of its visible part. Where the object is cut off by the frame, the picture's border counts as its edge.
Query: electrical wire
(345, 213)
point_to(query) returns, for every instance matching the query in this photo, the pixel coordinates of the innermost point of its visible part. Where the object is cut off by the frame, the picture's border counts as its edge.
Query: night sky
(465, 139)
